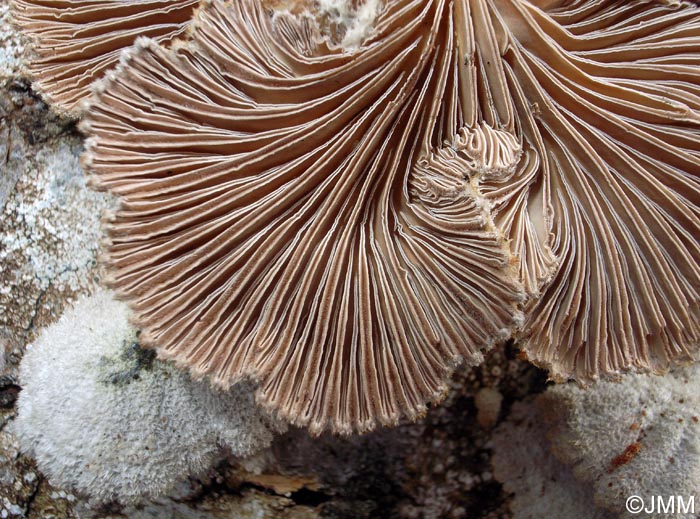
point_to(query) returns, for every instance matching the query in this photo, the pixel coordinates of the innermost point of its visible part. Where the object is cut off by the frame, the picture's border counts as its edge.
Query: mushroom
(77, 41)
(304, 215)
(346, 225)
(607, 96)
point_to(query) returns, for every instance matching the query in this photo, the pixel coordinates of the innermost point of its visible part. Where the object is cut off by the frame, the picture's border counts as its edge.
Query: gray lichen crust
(12, 47)
(105, 419)
(49, 220)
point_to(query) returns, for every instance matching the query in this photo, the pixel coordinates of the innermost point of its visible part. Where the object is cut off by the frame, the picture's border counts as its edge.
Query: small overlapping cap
(306, 215)
(77, 41)
(346, 225)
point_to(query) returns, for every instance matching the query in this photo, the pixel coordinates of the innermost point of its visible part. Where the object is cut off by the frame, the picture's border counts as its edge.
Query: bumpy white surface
(108, 422)
(583, 448)
(659, 416)
(57, 226)
(12, 46)
(541, 484)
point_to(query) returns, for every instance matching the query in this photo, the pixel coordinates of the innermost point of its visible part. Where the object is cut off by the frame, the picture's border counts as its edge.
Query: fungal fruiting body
(345, 225)
(284, 218)
(78, 41)
(615, 132)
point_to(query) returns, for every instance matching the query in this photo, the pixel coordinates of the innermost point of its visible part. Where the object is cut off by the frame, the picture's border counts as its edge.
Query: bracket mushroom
(345, 226)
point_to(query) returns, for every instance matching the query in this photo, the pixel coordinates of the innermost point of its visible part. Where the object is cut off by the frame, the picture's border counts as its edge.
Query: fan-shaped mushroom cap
(607, 95)
(304, 215)
(345, 225)
(77, 41)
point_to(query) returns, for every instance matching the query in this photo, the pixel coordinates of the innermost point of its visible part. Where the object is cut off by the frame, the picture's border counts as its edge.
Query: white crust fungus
(105, 419)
